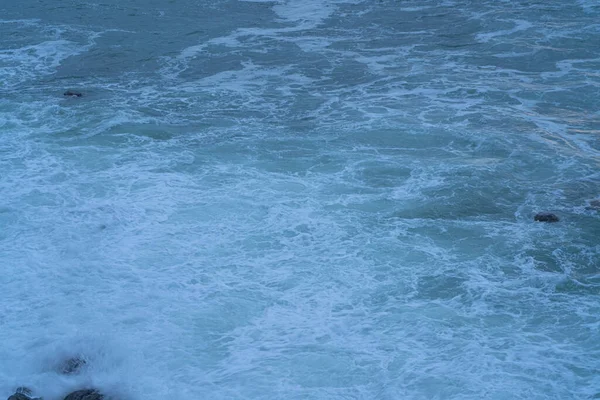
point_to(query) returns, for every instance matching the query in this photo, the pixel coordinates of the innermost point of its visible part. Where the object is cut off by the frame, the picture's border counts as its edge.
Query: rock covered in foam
(85, 394)
(19, 396)
(72, 365)
(23, 393)
(545, 217)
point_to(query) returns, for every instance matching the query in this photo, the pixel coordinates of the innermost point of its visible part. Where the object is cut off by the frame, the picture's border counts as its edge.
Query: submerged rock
(72, 94)
(594, 205)
(85, 394)
(72, 365)
(545, 217)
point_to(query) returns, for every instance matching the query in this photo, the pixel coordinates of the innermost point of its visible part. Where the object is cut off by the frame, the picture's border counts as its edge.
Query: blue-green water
(301, 199)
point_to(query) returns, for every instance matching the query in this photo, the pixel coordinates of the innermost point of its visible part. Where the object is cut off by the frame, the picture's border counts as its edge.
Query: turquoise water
(301, 199)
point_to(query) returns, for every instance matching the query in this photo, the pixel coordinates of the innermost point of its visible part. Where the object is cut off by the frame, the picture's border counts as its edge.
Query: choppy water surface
(293, 199)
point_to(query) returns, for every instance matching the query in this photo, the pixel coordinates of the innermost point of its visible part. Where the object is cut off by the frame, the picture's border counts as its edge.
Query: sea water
(300, 199)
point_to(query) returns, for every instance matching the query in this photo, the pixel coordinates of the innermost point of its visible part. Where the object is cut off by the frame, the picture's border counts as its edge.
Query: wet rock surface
(23, 393)
(86, 394)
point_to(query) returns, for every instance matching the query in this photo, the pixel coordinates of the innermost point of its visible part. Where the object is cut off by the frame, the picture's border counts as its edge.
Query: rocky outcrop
(545, 217)
(69, 366)
(19, 396)
(86, 394)
(23, 393)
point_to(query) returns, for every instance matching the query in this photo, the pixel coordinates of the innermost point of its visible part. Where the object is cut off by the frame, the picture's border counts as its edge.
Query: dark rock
(545, 217)
(24, 390)
(72, 365)
(19, 396)
(72, 94)
(86, 394)
(23, 393)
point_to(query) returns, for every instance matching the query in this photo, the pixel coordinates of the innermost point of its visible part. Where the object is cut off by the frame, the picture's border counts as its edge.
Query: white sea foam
(30, 61)
(307, 13)
(301, 15)
(324, 209)
(519, 25)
